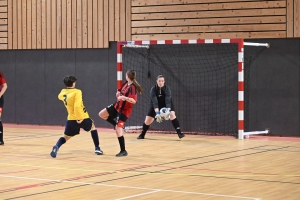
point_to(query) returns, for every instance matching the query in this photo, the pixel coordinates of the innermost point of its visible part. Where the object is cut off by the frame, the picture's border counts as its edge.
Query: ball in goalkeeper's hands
(165, 113)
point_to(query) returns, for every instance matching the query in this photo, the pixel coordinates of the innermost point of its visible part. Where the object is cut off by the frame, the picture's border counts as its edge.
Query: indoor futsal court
(191, 99)
(159, 167)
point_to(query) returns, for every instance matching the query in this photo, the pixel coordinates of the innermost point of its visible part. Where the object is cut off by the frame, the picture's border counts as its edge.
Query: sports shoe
(98, 151)
(54, 151)
(141, 136)
(181, 135)
(122, 153)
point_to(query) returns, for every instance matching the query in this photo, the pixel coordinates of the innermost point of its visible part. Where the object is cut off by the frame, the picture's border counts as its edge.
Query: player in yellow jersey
(78, 117)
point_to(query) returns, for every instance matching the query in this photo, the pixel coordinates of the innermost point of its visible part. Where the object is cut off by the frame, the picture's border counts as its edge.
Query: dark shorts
(114, 114)
(1, 102)
(151, 111)
(73, 128)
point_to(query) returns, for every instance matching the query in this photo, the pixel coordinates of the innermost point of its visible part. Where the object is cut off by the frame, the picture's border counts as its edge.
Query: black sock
(122, 143)
(111, 120)
(61, 141)
(175, 123)
(145, 128)
(95, 137)
(1, 132)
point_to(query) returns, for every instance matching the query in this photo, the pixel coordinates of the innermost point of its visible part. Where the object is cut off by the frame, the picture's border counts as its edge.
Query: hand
(158, 117)
(79, 121)
(118, 94)
(121, 98)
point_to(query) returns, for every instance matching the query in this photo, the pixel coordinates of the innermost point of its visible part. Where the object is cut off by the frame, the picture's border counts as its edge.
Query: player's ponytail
(131, 75)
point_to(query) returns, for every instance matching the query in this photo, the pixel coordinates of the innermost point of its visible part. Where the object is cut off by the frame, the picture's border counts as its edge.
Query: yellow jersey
(72, 98)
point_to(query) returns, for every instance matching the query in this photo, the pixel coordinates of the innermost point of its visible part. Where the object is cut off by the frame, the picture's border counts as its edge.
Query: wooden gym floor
(158, 167)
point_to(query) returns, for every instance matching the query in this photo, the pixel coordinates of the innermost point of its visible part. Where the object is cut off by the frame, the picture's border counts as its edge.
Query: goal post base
(247, 134)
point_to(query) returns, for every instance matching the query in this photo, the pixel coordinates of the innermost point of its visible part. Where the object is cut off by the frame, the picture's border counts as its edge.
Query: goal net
(205, 76)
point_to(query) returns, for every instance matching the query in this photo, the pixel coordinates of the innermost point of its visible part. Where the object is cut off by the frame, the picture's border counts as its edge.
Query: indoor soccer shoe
(122, 153)
(54, 151)
(141, 136)
(98, 151)
(181, 135)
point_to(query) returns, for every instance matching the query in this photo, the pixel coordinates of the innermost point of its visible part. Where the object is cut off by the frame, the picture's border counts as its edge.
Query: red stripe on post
(241, 125)
(119, 84)
(119, 67)
(240, 66)
(119, 48)
(168, 41)
(184, 41)
(217, 40)
(241, 105)
(153, 41)
(241, 86)
(200, 41)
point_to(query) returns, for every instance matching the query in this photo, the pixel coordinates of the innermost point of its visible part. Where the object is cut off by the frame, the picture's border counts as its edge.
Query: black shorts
(114, 113)
(151, 111)
(73, 128)
(1, 102)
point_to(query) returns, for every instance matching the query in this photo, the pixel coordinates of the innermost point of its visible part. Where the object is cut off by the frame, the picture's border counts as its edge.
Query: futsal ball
(246, 136)
(165, 113)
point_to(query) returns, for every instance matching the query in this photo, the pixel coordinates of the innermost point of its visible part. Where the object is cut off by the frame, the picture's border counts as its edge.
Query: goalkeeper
(160, 98)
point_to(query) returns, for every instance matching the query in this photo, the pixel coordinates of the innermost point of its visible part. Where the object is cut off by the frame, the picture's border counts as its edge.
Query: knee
(149, 120)
(172, 115)
(101, 114)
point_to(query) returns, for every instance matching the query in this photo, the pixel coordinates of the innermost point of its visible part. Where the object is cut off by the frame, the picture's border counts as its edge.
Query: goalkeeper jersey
(72, 99)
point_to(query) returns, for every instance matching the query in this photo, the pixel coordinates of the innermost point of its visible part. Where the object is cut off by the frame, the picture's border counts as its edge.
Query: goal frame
(240, 67)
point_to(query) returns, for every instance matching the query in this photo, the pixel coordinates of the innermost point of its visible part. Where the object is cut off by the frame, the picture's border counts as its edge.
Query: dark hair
(131, 75)
(160, 76)
(69, 80)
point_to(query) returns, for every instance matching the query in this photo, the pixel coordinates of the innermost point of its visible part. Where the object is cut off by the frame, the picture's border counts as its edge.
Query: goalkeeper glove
(158, 117)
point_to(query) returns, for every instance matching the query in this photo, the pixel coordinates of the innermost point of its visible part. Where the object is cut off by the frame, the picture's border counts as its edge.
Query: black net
(204, 83)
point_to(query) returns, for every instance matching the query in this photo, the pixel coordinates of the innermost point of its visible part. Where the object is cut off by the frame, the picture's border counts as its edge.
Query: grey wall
(35, 78)
(274, 86)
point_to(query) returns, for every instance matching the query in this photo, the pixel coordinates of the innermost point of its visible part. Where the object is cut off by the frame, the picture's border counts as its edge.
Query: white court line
(140, 188)
(138, 195)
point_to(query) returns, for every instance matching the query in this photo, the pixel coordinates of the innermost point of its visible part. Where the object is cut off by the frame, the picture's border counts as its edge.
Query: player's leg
(108, 114)
(58, 144)
(72, 129)
(88, 125)
(121, 139)
(175, 121)
(1, 125)
(148, 121)
(1, 129)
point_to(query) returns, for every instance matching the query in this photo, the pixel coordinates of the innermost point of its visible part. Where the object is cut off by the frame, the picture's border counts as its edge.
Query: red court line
(27, 186)
(51, 182)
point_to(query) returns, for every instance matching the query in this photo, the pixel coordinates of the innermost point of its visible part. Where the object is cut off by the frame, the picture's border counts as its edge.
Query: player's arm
(4, 88)
(154, 99)
(61, 96)
(78, 111)
(128, 99)
(118, 93)
(168, 97)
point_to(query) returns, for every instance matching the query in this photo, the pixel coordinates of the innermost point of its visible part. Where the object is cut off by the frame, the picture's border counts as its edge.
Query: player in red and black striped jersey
(3, 87)
(120, 111)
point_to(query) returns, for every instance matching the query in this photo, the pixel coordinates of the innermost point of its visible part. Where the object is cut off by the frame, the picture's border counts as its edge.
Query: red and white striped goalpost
(240, 64)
